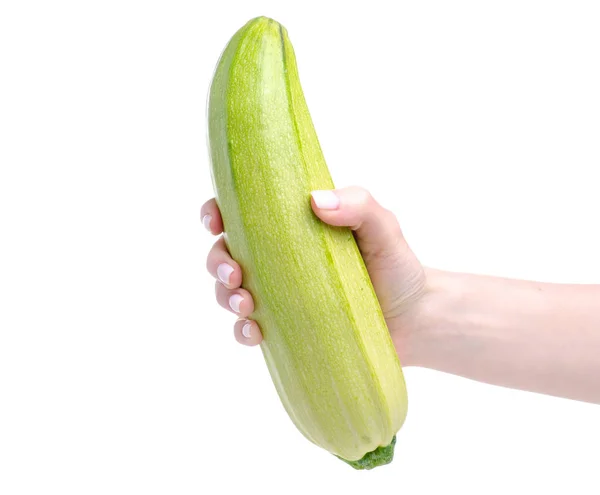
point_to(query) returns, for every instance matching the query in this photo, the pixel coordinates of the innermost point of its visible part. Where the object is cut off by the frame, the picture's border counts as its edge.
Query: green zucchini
(326, 343)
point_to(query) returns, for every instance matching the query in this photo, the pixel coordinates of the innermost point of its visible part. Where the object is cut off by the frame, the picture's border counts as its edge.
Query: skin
(526, 335)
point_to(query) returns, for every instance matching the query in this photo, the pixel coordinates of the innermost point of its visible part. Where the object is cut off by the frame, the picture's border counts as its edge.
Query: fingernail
(224, 272)
(246, 329)
(235, 301)
(206, 219)
(326, 200)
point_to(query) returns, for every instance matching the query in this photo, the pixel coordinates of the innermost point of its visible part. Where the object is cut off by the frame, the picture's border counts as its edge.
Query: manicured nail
(326, 200)
(206, 219)
(235, 301)
(246, 329)
(224, 272)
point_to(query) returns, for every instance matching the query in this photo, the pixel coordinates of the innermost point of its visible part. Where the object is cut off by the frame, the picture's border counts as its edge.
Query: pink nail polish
(246, 329)
(326, 200)
(206, 219)
(235, 301)
(224, 272)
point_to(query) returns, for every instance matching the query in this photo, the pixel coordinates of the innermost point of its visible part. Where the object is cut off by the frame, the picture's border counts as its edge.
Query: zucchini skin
(326, 343)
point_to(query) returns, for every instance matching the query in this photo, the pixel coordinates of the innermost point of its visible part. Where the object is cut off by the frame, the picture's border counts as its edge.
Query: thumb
(377, 230)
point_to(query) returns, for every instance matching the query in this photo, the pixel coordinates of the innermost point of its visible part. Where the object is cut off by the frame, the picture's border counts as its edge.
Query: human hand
(397, 276)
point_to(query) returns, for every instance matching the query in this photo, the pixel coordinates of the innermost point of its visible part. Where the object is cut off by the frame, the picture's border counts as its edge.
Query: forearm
(526, 335)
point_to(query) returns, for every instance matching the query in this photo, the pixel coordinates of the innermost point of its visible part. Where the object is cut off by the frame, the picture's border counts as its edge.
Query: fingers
(246, 332)
(377, 229)
(238, 301)
(231, 296)
(221, 266)
(211, 217)
(229, 275)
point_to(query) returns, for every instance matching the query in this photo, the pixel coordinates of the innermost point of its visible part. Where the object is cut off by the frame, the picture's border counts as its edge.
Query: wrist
(436, 314)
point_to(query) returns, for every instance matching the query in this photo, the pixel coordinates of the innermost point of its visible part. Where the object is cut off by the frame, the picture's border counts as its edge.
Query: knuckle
(392, 221)
(218, 245)
(363, 196)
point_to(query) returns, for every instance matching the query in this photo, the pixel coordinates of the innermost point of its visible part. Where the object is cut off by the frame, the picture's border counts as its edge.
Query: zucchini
(326, 343)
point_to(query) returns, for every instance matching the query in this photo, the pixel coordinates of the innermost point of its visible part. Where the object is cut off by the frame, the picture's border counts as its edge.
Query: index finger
(211, 217)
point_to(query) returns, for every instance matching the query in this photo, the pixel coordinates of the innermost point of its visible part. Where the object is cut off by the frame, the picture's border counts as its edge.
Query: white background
(476, 122)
